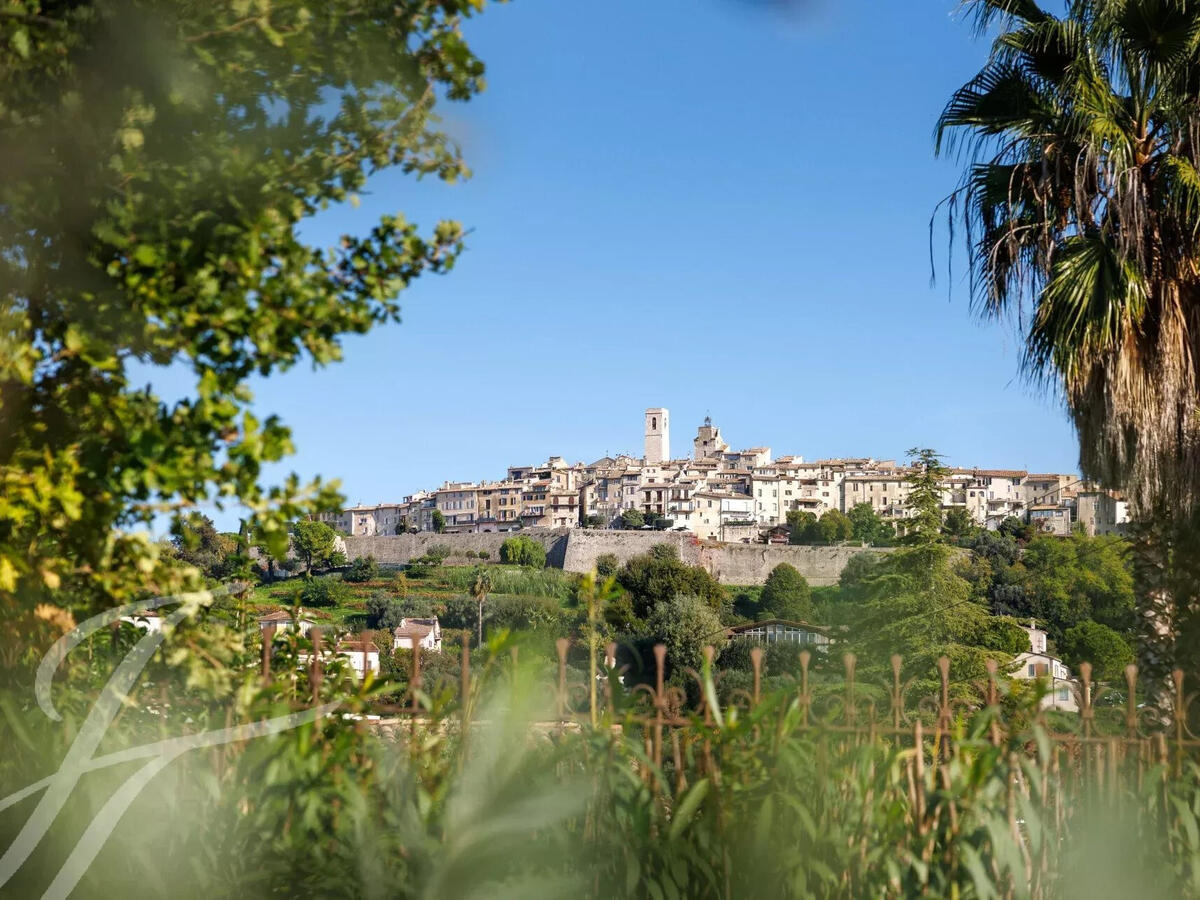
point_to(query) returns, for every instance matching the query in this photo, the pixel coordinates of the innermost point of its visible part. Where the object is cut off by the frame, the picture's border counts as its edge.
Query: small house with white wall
(1037, 662)
(281, 620)
(423, 633)
(363, 656)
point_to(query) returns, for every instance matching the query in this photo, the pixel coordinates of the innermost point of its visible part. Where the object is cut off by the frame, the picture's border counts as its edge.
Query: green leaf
(687, 807)
(20, 42)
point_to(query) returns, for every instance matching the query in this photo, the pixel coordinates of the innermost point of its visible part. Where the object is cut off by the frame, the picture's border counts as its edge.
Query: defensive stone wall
(576, 550)
(752, 563)
(397, 549)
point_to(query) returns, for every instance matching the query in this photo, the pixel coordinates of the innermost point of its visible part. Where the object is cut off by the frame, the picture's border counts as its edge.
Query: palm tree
(481, 586)
(1081, 204)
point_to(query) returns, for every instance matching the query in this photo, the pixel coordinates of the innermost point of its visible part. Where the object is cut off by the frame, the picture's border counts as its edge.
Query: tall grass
(514, 580)
(492, 795)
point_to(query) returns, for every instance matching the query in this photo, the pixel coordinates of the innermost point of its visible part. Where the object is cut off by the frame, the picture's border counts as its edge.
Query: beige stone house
(1101, 511)
(887, 494)
(1051, 519)
(498, 506)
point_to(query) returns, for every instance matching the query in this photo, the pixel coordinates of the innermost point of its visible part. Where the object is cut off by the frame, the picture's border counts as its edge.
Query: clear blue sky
(715, 206)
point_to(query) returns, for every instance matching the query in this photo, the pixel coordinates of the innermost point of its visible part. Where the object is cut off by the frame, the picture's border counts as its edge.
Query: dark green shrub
(607, 565)
(320, 592)
(364, 568)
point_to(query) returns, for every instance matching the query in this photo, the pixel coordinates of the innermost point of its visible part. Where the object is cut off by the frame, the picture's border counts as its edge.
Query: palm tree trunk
(1151, 540)
(1167, 573)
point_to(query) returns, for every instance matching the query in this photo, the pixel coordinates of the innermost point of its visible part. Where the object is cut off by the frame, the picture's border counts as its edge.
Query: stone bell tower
(658, 436)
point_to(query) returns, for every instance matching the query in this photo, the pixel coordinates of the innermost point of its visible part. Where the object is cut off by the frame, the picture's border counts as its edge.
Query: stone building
(498, 506)
(1051, 519)
(456, 503)
(708, 443)
(1043, 489)
(1101, 511)
(658, 436)
(886, 493)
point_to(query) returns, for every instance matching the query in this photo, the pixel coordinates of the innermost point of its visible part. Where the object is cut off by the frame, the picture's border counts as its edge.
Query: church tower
(708, 443)
(658, 436)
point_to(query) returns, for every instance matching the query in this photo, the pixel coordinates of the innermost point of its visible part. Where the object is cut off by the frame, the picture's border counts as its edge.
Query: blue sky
(710, 205)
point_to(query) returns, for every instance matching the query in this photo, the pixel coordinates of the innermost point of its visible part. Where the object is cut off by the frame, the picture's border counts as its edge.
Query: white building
(722, 516)
(362, 655)
(1037, 662)
(423, 633)
(281, 620)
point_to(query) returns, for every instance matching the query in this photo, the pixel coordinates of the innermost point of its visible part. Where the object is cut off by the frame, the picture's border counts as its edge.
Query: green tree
(523, 551)
(1104, 648)
(439, 521)
(1079, 197)
(1020, 531)
(786, 595)
(686, 625)
(383, 612)
(958, 523)
(801, 525)
(857, 574)
(868, 527)
(268, 551)
(912, 603)
(834, 526)
(151, 218)
(632, 518)
(314, 542)
(198, 543)
(655, 577)
(438, 553)
(924, 526)
(1072, 579)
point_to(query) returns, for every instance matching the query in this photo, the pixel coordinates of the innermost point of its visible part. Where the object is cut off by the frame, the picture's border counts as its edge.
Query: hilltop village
(721, 494)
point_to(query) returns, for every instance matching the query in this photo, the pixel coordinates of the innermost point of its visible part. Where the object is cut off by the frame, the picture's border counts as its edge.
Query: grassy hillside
(421, 588)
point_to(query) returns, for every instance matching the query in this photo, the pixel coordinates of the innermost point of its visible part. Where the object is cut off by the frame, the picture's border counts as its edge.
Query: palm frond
(1000, 99)
(986, 13)
(1093, 300)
